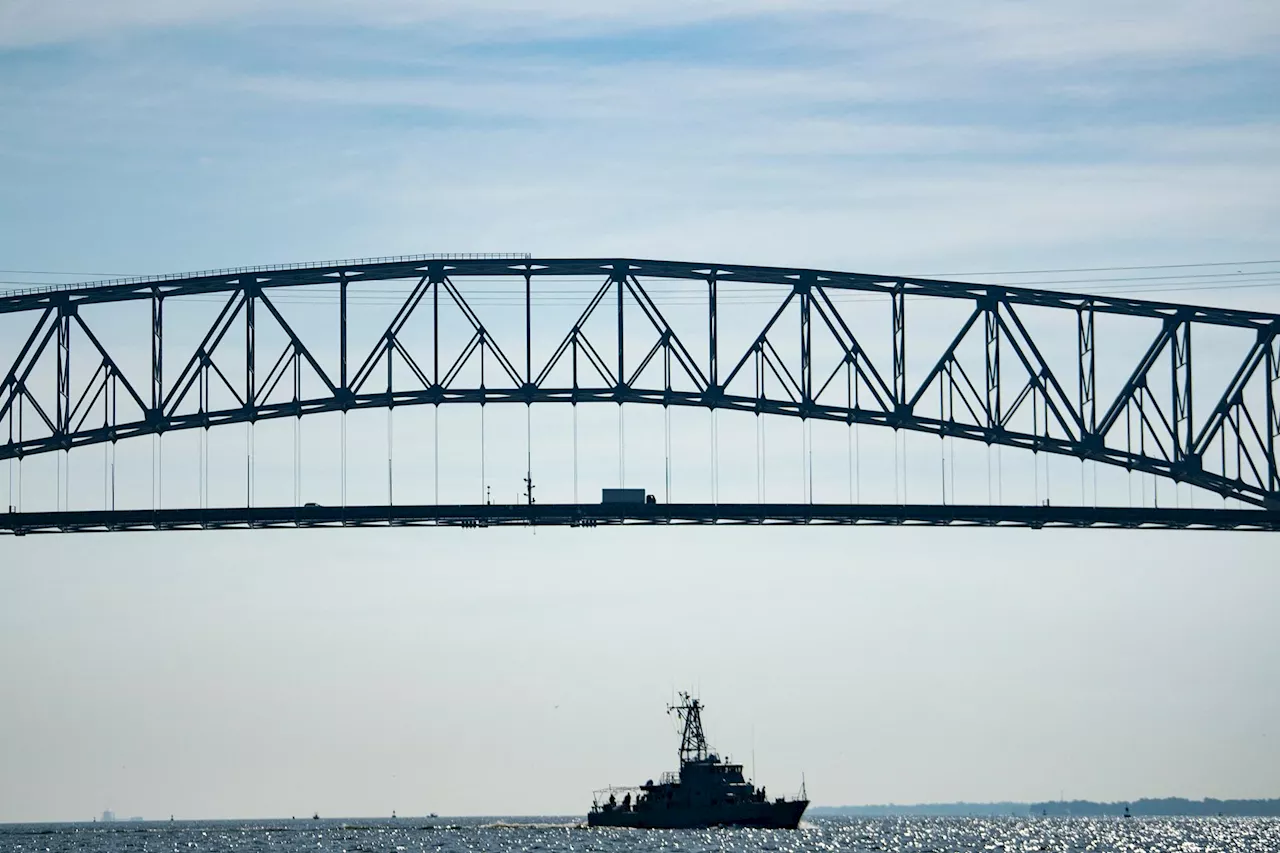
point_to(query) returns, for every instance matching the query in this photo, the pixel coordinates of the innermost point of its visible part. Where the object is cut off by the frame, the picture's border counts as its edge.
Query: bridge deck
(592, 515)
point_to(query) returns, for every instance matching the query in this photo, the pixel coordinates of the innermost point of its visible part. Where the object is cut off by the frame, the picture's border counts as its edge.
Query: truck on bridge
(626, 496)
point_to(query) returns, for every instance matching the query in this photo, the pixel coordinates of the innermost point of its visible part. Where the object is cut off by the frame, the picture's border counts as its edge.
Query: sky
(508, 672)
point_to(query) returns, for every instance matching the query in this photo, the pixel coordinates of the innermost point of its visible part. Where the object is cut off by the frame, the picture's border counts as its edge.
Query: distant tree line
(927, 810)
(1162, 807)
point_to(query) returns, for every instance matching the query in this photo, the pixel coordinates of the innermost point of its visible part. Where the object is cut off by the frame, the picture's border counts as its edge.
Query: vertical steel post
(991, 323)
(63, 414)
(157, 351)
(1181, 380)
(250, 359)
(250, 356)
(806, 339)
(342, 334)
(618, 280)
(1273, 410)
(391, 352)
(575, 367)
(115, 420)
(528, 329)
(1087, 369)
(713, 370)
(435, 328)
(899, 346)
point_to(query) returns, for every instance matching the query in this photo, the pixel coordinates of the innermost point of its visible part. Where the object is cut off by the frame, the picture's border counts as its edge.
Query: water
(521, 835)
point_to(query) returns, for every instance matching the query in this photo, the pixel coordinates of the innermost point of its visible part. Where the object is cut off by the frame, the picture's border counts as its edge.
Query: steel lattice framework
(991, 384)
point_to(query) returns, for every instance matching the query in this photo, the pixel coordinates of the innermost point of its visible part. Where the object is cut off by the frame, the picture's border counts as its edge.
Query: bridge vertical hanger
(435, 279)
(250, 341)
(991, 329)
(713, 348)
(1181, 396)
(1087, 369)
(899, 349)
(619, 280)
(297, 428)
(63, 409)
(1087, 375)
(666, 416)
(343, 382)
(202, 407)
(528, 331)
(1273, 410)
(342, 334)
(157, 381)
(62, 414)
(250, 385)
(946, 412)
(109, 408)
(852, 390)
(157, 351)
(802, 289)
(528, 384)
(391, 404)
(995, 416)
(574, 402)
(900, 404)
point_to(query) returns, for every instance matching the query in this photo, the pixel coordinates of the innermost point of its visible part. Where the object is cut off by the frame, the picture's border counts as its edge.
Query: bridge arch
(995, 375)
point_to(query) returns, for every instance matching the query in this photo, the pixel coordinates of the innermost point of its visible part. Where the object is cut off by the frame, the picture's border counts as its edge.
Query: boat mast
(693, 743)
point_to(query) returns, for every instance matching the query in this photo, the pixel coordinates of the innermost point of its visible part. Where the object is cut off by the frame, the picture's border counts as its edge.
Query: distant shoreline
(1146, 807)
(1166, 807)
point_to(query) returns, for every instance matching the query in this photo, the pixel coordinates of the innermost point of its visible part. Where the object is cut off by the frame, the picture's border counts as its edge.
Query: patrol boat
(706, 791)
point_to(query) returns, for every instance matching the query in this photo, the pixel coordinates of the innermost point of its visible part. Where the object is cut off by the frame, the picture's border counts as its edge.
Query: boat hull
(775, 815)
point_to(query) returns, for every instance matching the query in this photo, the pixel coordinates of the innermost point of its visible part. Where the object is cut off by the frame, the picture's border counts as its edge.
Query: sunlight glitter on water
(567, 835)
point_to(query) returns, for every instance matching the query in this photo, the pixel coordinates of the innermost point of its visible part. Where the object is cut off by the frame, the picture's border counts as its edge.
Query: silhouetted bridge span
(595, 515)
(1020, 367)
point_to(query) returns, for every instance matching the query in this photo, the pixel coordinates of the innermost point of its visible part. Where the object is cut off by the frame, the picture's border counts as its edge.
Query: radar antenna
(693, 743)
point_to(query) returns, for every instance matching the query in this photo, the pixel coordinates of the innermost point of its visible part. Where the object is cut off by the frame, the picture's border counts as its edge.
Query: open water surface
(549, 835)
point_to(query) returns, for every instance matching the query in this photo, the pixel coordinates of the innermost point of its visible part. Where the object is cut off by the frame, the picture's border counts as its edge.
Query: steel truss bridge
(999, 378)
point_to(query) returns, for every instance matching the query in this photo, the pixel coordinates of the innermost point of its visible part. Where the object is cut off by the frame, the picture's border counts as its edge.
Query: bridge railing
(390, 259)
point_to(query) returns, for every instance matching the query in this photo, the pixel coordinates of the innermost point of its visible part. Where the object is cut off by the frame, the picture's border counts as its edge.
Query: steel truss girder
(723, 273)
(1062, 423)
(594, 515)
(740, 403)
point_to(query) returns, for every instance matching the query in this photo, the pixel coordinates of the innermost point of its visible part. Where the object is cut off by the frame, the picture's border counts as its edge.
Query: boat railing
(600, 798)
(617, 790)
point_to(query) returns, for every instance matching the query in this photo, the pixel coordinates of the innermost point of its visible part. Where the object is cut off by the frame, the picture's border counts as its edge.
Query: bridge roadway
(593, 515)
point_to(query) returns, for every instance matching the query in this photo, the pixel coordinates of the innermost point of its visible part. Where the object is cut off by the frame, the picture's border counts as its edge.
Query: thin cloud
(986, 31)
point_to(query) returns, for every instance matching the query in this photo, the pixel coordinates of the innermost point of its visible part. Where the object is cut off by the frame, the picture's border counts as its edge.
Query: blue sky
(904, 137)
(146, 136)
